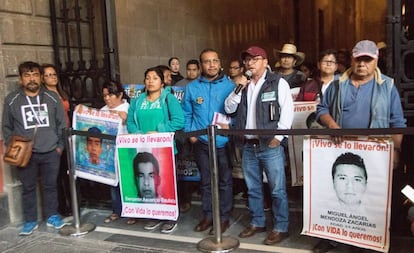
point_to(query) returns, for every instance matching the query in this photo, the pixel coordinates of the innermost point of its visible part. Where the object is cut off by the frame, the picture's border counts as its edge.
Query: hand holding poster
(187, 169)
(94, 157)
(347, 191)
(147, 175)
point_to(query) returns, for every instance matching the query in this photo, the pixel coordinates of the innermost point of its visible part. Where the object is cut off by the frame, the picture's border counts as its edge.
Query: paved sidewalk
(120, 237)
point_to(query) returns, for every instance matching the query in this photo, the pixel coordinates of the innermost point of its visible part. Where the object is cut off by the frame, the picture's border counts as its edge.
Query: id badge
(269, 96)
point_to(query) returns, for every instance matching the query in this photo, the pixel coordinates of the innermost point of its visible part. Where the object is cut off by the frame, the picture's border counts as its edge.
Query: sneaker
(168, 227)
(28, 228)
(152, 224)
(55, 221)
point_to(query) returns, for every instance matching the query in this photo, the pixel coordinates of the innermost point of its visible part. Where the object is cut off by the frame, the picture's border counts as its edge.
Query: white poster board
(154, 196)
(302, 110)
(100, 168)
(341, 204)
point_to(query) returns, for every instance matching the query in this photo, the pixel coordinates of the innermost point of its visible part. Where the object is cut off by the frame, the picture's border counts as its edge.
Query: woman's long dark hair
(60, 90)
(115, 87)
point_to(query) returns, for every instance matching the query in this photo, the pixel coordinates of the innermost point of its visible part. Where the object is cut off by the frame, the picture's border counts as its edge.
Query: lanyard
(32, 108)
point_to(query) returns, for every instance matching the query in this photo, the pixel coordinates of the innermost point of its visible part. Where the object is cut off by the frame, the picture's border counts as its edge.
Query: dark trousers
(116, 200)
(225, 180)
(45, 166)
(63, 186)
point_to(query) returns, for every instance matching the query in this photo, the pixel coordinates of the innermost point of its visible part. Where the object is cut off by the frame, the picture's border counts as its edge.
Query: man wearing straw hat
(289, 58)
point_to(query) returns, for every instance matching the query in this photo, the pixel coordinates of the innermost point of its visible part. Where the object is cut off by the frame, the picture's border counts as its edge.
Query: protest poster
(294, 92)
(94, 157)
(134, 90)
(147, 175)
(302, 111)
(187, 169)
(347, 191)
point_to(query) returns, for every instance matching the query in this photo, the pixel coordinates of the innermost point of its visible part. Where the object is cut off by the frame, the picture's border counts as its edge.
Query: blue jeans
(255, 160)
(225, 181)
(45, 166)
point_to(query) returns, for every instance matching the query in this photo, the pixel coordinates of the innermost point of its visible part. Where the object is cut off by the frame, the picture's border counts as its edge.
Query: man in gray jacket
(28, 111)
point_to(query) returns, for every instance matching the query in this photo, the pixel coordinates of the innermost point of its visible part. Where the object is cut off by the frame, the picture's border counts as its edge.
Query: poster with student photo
(94, 158)
(147, 175)
(347, 191)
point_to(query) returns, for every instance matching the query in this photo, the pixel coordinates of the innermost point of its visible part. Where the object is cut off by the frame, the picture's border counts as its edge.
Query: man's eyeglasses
(253, 59)
(50, 75)
(328, 62)
(213, 61)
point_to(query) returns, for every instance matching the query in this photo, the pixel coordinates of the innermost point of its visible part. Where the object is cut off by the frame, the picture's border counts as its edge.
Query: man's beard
(32, 86)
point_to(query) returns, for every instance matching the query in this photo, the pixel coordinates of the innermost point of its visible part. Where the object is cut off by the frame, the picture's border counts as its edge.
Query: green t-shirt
(152, 113)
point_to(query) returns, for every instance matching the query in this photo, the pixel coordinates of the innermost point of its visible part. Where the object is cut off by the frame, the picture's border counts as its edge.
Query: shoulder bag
(19, 150)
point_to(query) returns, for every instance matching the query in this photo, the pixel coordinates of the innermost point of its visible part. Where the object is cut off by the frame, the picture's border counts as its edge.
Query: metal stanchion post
(217, 243)
(76, 229)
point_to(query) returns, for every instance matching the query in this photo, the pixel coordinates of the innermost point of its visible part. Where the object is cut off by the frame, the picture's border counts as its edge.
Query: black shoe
(323, 246)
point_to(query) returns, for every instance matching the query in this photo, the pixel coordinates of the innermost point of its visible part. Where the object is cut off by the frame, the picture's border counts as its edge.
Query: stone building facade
(150, 32)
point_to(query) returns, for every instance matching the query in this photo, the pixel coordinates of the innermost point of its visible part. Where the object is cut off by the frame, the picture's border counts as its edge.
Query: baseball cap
(254, 51)
(365, 47)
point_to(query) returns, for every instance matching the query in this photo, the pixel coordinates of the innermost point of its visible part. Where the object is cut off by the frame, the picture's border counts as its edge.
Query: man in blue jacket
(203, 97)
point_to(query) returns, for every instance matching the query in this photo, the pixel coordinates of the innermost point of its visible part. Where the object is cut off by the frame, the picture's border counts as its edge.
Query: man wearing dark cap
(264, 102)
(362, 98)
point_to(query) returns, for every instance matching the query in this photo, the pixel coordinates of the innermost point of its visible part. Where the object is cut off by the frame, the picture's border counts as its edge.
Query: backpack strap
(168, 107)
(335, 100)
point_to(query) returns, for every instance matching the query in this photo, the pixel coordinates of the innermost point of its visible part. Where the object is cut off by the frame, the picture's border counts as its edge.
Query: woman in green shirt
(155, 110)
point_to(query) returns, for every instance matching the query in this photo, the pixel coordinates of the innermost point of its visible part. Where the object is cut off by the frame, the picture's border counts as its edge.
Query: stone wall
(25, 34)
(150, 32)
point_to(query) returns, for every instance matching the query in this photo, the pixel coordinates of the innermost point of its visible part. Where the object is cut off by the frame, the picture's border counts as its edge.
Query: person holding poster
(264, 103)
(155, 110)
(117, 101)
(362, 98)
(202, 99)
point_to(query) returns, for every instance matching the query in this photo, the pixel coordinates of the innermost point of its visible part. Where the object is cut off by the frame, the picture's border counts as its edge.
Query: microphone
(248, 74)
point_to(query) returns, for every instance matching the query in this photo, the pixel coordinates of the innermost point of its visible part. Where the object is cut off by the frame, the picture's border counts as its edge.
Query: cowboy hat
(292, 50)
(381, 45)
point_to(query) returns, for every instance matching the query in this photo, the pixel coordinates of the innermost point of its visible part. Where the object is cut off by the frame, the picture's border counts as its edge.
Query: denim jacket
(382, 111)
